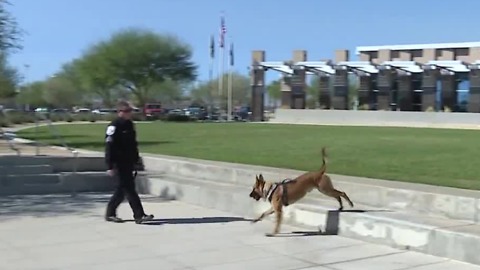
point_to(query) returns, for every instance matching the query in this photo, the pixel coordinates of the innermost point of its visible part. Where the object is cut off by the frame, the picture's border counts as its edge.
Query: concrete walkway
(64, 232)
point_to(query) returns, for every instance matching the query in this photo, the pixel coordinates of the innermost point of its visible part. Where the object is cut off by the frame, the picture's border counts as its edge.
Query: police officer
(121, 156)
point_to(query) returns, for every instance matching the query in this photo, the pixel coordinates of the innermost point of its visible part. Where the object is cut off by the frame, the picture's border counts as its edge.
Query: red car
(152, 110)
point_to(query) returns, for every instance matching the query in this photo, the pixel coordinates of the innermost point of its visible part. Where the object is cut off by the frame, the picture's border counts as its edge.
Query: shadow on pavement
(50, 205)
(333, 219)
(202, 220)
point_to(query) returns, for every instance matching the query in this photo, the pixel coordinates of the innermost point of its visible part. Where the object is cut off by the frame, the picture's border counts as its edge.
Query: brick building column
(385, 83)
(405, 92)
(325, 98)
(340, 82)
(474, 97)
(449, 91)
(365, 91)
(298, 81)
(257, 76)
(429, 86)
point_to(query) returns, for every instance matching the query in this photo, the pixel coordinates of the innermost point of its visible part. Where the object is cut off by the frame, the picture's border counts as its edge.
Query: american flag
(231, 55)
(223, 31)
(212, 47)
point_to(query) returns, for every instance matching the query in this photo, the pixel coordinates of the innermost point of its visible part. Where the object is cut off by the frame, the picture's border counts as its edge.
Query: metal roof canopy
(319, 67)
(474, 65)
(407, 66)
(454, 66)
(277, 66)
(368, 68)
(363, 66)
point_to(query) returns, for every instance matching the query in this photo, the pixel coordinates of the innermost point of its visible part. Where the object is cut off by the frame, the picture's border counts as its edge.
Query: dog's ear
(256, 177)
(260, 177)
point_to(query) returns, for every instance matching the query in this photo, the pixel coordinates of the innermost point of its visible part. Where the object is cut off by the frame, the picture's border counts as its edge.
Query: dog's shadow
(331, 224)
(199, 220)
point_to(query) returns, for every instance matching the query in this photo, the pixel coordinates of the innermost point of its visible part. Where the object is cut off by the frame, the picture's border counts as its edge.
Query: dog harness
(274, 187)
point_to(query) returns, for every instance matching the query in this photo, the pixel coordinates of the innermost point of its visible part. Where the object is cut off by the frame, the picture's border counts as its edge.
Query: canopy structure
(448, 67)
(367, 68)
(320, 67)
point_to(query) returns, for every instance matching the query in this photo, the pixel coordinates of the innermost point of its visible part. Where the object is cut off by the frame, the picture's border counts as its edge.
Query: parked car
(104, 111)
(196, 113)
(82, 110)
(152, 110)
(58, 111)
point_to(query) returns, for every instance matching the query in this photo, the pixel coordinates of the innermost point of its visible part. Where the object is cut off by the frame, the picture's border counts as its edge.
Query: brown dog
(291, 190)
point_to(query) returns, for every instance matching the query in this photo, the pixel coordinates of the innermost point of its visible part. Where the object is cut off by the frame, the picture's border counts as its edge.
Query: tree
(32, 95)
(137, 60)
(10, 33)
(208, 91)
(9, 79)
(274, 90)
(167, 91)
(60, 92)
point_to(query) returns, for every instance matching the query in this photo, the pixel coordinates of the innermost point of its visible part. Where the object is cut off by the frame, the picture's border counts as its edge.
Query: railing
(54, 132)
(9, 138)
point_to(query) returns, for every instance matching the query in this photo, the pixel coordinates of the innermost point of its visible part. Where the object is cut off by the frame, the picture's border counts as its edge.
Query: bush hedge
(8, 119)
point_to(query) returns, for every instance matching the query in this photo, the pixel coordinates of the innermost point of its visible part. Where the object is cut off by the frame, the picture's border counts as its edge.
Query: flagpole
(230, 85)
(210, 74)
(223, 30)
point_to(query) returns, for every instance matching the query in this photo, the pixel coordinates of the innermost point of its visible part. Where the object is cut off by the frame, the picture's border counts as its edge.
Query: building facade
(468, 52)
(417, 77)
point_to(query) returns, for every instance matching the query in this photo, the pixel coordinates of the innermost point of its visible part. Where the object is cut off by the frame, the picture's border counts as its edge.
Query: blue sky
(59, 30)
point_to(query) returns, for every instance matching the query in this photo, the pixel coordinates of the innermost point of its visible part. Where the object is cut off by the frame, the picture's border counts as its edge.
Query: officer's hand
(111, 172)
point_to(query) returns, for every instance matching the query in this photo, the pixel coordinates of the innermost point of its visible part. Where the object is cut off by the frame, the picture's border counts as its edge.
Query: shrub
(57, 117)
(178, 118)
(92, 117)
(3, 120)
(69, 118)
(15, 118)
(82, 117)
(138, 117)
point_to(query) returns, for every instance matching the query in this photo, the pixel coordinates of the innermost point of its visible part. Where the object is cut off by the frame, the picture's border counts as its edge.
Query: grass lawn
(433, 156)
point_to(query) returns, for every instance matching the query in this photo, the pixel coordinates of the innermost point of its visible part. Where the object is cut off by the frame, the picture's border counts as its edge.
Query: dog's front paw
(255, 220)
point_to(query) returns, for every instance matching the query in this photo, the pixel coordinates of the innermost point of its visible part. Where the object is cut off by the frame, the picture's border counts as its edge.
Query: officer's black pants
(125, 187)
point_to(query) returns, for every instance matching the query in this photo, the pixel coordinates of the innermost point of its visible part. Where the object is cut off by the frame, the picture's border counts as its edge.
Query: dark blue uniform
(121, 154)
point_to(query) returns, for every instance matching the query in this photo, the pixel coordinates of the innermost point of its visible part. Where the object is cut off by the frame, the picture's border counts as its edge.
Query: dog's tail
(324, 160)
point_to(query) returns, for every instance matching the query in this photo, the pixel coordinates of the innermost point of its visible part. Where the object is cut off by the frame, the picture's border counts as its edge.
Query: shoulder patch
(110, 130)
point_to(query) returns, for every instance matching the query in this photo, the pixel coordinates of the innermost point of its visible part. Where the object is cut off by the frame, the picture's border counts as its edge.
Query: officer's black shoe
(143, 219)
(114, 219)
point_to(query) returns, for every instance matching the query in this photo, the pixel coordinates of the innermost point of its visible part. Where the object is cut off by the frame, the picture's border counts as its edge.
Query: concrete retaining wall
(378, 118)
(434, 223)
(435, 201)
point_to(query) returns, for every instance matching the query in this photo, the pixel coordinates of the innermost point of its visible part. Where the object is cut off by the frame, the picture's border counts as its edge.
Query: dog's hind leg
(345, 196)
(339, 195)
(263, 215)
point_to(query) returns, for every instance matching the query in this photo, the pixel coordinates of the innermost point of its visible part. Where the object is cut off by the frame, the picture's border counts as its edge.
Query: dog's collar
(266, 192)
(269, 193)
(274, 186)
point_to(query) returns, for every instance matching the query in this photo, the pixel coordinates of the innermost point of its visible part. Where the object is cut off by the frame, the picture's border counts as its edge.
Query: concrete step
(58, 163)
(25, 169)
(443, 237)
(55, 183)
(436, 201)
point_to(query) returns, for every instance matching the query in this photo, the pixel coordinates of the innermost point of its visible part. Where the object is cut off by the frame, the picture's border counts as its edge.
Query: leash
(135, 173)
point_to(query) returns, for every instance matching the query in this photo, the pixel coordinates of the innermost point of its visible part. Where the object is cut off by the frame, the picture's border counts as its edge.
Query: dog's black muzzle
(255, 195)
